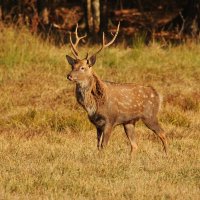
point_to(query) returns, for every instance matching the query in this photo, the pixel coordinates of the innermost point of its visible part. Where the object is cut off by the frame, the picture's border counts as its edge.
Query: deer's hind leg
(156, 128)
(129, 130)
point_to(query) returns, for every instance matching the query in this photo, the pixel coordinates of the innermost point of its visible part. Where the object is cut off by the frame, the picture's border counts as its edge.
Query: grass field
(48, 147)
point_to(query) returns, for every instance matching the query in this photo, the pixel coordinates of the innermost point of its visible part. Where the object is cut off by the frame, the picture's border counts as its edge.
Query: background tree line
(169, 19)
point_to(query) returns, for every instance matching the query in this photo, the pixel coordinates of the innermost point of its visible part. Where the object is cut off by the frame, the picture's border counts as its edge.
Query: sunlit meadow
(48, 147)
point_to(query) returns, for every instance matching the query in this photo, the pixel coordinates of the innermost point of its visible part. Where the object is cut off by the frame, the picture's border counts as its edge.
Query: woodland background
(155, 19)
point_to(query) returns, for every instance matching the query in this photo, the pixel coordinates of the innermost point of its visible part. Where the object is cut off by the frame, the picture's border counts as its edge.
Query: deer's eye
(82, 69)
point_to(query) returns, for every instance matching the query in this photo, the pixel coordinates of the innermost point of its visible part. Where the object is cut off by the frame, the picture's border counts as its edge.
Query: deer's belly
(127, 117)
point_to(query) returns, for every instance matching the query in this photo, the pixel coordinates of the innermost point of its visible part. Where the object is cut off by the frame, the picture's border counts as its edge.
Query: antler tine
(77, 37)
(108, 44)
(73, 49)
(74, 45)
(114, 36)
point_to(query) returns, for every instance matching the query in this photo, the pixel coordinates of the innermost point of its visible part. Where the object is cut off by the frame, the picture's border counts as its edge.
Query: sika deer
(110, 104)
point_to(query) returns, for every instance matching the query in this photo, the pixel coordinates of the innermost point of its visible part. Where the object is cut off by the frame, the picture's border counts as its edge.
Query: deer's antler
(104, 45)
(74, 45)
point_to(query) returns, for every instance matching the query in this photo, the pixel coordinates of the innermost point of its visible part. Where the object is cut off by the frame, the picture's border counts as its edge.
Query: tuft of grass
(186, 102)
(176, 118)
(21, 49)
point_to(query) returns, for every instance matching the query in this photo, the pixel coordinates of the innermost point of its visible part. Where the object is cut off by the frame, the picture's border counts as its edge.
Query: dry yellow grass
(48, 147)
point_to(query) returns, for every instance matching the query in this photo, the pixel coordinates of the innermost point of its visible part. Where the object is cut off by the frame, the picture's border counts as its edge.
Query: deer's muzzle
(69, 77)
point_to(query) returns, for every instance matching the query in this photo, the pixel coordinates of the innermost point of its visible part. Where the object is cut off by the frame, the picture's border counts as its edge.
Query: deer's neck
(91, 94)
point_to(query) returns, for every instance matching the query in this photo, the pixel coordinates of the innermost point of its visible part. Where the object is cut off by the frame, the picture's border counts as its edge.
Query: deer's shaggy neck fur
(91, 94)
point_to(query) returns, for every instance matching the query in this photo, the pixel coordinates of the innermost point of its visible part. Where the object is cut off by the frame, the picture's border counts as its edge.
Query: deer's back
(126, 102)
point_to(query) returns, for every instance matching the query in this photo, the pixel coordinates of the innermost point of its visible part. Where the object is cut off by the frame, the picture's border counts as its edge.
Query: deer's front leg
(99, 134)
(106, 135)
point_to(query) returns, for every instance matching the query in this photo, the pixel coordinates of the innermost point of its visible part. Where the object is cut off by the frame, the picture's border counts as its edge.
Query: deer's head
(82, 68)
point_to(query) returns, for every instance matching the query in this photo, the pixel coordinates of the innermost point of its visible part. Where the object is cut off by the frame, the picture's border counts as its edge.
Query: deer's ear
(92, 60)
(70, 60)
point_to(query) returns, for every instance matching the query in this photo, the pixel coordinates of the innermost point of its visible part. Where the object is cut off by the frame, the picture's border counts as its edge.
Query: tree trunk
(104, 7)
(93, 16)
(188, 20)
(96, 16)
(89, 16)
(1, 11)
